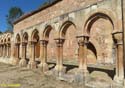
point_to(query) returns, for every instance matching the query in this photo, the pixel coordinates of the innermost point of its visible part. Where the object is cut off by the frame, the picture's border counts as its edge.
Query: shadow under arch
(18, 38)
(47, 31)
(91, 47)
(25, 37)
(35, 35)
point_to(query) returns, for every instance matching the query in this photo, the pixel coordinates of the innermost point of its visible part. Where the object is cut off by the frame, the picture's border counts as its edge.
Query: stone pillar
(4, 51)
(32, 63)
(23, 61)
(43, 55)
(59, 64)
(13, 53)
(0, 50)
(7, 50)
(16, 58)
(118, 39)
(82, 42)
(9, 46)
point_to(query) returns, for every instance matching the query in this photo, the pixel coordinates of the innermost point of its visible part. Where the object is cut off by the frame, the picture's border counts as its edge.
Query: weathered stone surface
(99, 80)
(96, 19)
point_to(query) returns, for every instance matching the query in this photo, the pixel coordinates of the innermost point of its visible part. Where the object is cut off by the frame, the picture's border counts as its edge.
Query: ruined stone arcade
(84, 32)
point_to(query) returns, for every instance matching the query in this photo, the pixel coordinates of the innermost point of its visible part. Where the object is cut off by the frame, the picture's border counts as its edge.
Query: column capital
(17, 44)
(1, 44)
(44, 42)
(8, 44)
(31, 42)
(118, 37)
(83, 39)
(59, 41)
(23, 43)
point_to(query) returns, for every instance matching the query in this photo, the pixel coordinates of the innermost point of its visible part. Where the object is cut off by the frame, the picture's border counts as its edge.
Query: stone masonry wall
(60, 8)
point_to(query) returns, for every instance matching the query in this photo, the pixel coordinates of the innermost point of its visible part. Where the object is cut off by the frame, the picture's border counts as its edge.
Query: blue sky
(25, 5)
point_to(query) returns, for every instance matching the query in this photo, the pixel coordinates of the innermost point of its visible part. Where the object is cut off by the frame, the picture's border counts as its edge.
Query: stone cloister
(5, 45)
(88, 35)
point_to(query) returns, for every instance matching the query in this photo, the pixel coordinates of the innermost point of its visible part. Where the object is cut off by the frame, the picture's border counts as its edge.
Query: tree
(0, 32)
(46, 3)
(13, 14)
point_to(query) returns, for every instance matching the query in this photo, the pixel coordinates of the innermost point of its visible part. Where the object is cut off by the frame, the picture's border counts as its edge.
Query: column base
(59, 70)
(44, 67)
(119, 80)
(15, 61)
(32, 65)
(85, 72)
(81, 76)
(23, 63)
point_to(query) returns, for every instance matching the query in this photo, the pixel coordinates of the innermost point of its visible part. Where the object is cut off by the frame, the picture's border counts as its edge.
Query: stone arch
(25, 37)
(18, 39)
(35, 35)
(17, 49)
(47, 31)
(2, 41)
(5, 40)
(107, 12)
(64, 27)
(93, 18)
(9, 39)
(99, 27)
(36, 39)
(68, 31)
(49, 35)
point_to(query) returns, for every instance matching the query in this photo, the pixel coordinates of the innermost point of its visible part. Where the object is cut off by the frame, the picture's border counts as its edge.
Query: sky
(25, 5)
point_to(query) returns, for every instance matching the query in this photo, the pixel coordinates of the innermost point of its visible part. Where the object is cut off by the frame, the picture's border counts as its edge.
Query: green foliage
(13, 14)
(8, 31)
(0, 32)
(48, 2)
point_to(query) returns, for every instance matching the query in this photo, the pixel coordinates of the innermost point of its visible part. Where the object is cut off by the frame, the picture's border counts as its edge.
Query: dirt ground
(16, 77)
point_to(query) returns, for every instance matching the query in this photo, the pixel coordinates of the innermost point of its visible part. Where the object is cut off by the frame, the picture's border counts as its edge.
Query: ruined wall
(97, 20)
(61, 7)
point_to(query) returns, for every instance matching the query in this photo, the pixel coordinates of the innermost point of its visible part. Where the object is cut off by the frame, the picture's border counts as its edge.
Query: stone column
(4, 51)
(12, 53)
(32, 63)
(82, 42)
(16, 60)
(43, 55)
(23, 61)
(7, 50)
(59, 64)
(118, 39)
(0, 50)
